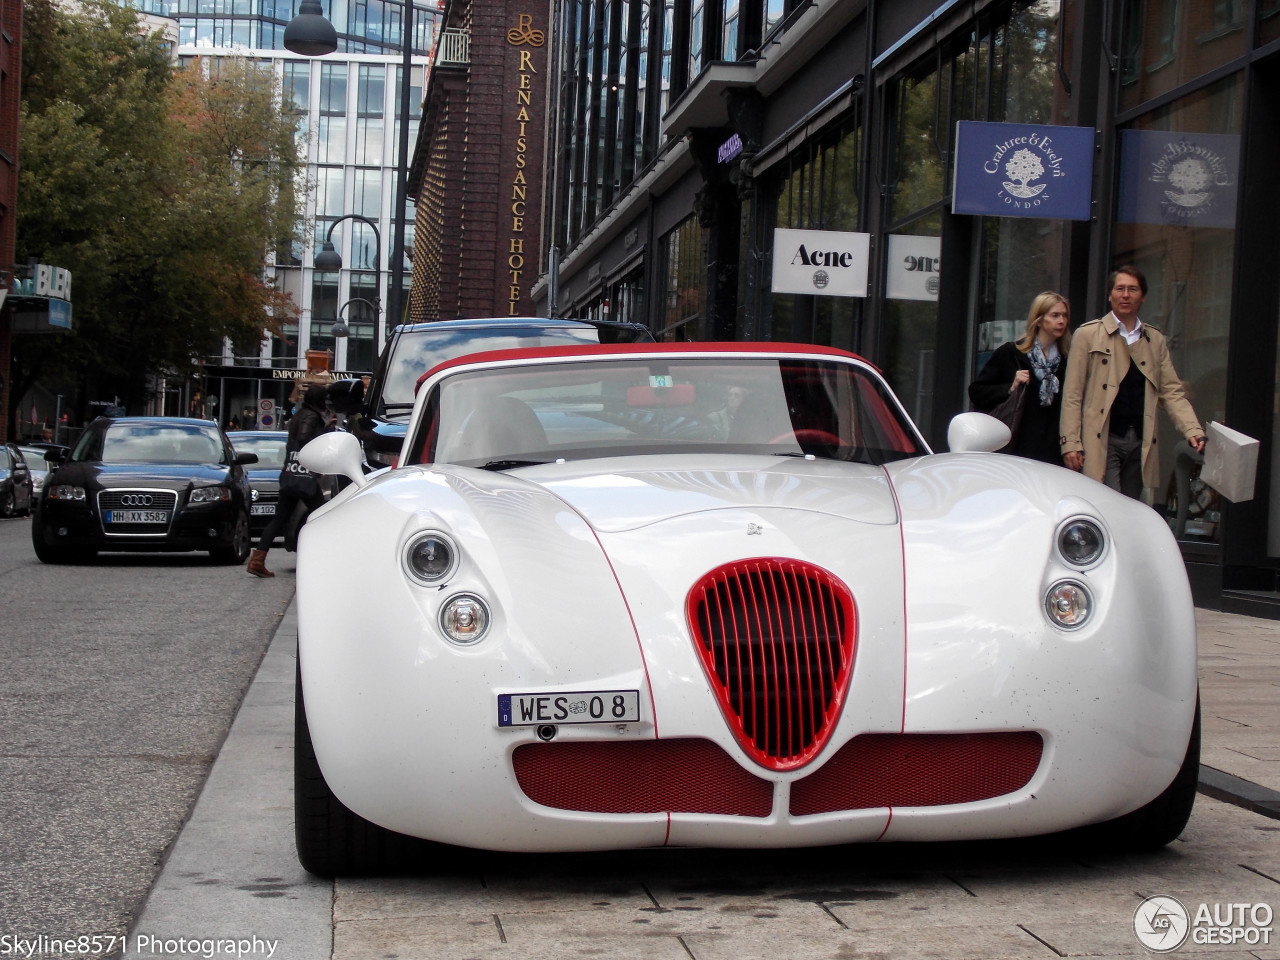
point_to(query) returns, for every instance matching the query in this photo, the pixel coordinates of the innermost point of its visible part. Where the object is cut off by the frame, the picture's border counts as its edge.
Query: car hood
(627, 494)
(124, 474)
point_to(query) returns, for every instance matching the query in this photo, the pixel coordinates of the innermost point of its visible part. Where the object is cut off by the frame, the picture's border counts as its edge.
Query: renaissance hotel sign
(521, 160)
(1023, 170)
(828, 263)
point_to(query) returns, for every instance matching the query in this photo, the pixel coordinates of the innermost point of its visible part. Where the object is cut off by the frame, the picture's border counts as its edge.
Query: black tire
(46, 553)
(8, 504)
(1162, 820)
(237, 551)
(330, 839)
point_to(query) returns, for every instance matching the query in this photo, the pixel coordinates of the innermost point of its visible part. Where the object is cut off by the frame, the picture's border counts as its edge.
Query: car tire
(331, 840)
(8, 504)
(237, 551)
(45, 552)
(1161, 821)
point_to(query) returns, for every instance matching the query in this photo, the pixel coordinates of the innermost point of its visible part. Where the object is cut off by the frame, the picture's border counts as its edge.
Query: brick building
(10, 71)
(477, 171)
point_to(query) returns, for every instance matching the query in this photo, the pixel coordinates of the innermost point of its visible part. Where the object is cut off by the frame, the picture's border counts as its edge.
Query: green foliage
(162, 190)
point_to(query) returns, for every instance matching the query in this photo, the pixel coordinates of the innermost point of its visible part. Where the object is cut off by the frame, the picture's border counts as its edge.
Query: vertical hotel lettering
(522, 36)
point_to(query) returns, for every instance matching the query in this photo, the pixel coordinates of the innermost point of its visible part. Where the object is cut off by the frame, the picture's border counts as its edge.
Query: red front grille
(640, 776)
(918, 770)
(776, 638)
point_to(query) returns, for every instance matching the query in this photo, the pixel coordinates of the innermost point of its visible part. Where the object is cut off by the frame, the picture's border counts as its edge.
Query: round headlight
(1068, 604)
(1081, 542)
(430, 558)
(464, 618)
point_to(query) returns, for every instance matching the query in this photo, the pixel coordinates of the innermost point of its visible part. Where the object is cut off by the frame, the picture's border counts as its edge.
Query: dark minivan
(414, 348)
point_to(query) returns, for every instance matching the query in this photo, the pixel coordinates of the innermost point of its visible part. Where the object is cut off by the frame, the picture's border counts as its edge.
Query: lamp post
(311, 35)
(340, 328)
(328, 259)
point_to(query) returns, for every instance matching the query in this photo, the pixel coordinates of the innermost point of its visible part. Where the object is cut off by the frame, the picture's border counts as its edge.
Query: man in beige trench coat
(1118, 373)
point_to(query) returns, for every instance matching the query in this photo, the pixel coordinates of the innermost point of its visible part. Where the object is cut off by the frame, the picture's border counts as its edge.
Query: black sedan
(15, 482)
(146, 483)
(264, 476)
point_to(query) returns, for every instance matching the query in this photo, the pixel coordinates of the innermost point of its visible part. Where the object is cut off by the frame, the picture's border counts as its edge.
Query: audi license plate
(137, 516)
(594, 706)
(263, 510)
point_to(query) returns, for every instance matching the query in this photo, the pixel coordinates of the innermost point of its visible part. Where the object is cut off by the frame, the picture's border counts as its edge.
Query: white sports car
(725, 595)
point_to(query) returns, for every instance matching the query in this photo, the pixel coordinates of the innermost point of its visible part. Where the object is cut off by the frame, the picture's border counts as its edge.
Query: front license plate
(595, 706)
(263, 510)
(137, 516)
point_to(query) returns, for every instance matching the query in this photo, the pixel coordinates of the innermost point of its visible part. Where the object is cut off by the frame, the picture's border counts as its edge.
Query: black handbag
(1009, 412)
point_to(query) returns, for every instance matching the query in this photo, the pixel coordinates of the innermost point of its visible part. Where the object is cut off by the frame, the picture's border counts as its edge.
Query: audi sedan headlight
(65, 491)
(209, 494)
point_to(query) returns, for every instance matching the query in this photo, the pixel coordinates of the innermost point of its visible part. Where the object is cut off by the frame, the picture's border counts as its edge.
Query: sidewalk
(1240, 710)
(233, 869)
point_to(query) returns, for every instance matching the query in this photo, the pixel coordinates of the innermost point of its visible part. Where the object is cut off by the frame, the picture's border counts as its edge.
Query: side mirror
(55, 457)
(244, 459)
(346, 396)
(976, 432)
(335, 453)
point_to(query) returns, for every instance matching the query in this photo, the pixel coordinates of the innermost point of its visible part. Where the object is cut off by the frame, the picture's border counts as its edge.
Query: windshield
(268, 446)
(417, 351)
(140, 442)
(642, 405)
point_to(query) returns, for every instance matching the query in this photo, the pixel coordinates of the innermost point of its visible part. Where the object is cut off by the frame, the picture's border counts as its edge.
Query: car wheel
(46, 553)
(8, 504)
(1162, 820)
(331, 840)
(236, 552)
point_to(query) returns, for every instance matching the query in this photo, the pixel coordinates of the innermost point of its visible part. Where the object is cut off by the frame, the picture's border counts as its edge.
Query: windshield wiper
(511, 464)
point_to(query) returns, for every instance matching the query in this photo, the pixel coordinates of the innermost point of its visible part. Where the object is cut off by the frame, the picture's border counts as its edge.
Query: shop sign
(729, 149)
(1184, 179)
(1023, 170)
(827, 263)
(914, 269)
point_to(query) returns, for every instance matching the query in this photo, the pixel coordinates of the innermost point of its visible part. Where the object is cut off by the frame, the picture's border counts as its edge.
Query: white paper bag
(1230, 462)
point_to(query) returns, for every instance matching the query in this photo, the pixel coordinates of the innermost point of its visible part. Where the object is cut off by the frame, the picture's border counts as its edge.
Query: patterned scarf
(1046, 370)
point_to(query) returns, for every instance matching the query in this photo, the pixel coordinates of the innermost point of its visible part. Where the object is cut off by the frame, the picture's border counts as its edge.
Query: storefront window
(910, 338)
(1268, 21)
(684, 272)
(1167, 43)
(817, 189)
(1179, 179)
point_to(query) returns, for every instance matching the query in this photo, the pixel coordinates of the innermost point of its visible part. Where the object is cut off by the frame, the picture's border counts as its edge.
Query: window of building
(817, 189)
(1167, 43)
(1189, 270)
(683, 274)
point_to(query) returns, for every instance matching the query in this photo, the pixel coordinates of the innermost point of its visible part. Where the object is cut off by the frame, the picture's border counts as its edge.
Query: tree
(163, 191)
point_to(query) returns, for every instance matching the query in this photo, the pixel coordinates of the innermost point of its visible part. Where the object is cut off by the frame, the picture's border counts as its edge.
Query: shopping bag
(1230, 462)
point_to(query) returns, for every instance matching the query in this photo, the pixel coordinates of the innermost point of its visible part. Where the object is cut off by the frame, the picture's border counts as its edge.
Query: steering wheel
(810, 436)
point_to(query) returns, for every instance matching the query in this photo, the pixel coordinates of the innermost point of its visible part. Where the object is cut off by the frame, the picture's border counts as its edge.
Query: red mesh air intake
(918, 770)
(776, 638)
(640, 776)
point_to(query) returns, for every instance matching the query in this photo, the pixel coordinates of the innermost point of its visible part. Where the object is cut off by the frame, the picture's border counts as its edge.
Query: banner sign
(914, 267)
(1183, 179)
(821, 262)
(1023, 170)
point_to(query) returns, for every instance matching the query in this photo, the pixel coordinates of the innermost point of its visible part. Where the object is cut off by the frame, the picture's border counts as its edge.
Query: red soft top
(622, 349)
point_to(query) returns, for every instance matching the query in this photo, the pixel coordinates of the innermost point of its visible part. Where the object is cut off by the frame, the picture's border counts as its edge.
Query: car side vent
(776, 638)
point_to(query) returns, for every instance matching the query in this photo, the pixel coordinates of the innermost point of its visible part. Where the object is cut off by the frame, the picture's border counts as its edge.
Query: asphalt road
(120, 680)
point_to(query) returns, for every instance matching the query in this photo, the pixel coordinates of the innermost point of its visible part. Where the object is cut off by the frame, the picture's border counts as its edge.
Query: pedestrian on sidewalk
(1120, 372)
(297, 484)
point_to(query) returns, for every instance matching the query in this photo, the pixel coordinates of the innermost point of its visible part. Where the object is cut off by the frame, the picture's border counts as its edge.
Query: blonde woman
(1038, 359)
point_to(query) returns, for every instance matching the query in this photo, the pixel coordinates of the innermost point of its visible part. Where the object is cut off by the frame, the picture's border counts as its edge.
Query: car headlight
(1068, 604)
(430, 558)
(65, 491)
(1081, 542)
(464, 618)
(209, 494)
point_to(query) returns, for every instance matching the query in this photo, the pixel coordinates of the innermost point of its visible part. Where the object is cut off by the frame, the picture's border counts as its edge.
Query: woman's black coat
(1039, 435)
